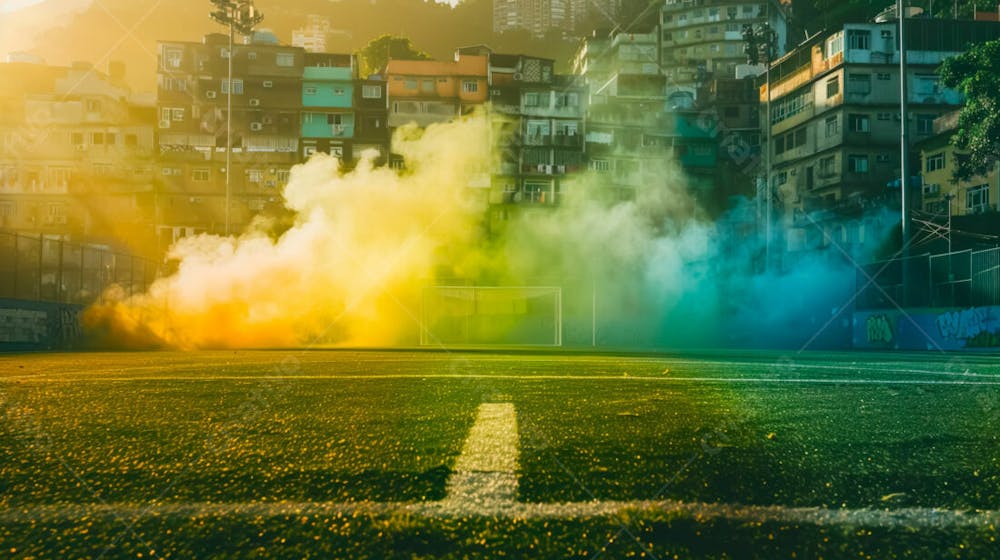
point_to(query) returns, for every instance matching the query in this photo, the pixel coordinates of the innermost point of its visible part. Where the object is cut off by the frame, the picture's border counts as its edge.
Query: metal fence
(959, 279)
(47, 268)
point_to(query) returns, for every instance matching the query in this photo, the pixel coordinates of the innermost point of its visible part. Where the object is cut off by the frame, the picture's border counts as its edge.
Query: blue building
(328, 113)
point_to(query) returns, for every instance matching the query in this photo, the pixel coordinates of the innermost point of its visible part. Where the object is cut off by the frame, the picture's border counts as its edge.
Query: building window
(311, 91)
(173, 57)
(884, 76)
(237, 87)
(858, 39)
(268, 84)
(200, 174)
(826, 166)
(76, 138)
(283, 175)
(251, 56)
(858, 123)
(977, 199)
(8, 209)
(600, 165)
(97, 138)
(427, 86)
(285, 59)
(177, 114)
(859, 83)
(927, 84)
(371, 92)
(335, 119)
(255, 175)
(857, 163)
(835, 45)
(832, 126)
(224, 52)
(411, 83)
(338, 91)
(470, 86)
(531, 99)
(885, 116)
(832, 86)
(925, 124)
(935, 162)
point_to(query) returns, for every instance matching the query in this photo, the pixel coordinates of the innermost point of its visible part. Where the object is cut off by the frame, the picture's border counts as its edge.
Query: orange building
(431, 91)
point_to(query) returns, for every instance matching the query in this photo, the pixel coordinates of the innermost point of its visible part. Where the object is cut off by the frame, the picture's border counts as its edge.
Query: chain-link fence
(959, 279)
(44, 268)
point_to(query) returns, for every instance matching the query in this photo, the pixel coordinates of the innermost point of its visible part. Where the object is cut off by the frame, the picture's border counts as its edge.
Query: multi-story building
(431, 91)
(942, 195)
(835, 119)
(371, 131)
(76, 159)
(267, 97)
(702, 39)
(312, 37)
(542, 16)
(328, 115)
(539, 117)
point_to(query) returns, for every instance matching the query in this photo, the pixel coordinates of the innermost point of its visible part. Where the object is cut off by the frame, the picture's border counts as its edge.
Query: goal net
(491, 315)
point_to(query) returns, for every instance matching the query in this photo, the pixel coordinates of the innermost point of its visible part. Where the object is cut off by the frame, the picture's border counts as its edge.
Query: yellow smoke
(350, 269)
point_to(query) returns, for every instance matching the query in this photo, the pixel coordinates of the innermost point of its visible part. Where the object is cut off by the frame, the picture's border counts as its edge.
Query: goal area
(491, 316)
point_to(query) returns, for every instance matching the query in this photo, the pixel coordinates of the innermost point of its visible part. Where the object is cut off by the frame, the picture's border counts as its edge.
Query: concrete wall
(976, 328)
(32, 325)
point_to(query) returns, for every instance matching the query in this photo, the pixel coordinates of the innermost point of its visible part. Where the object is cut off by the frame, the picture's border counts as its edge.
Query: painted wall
(31, 325)
(976, 328)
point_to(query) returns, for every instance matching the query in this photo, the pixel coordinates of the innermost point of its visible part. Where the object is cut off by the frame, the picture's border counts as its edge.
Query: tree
(377, 53)
(976, 73)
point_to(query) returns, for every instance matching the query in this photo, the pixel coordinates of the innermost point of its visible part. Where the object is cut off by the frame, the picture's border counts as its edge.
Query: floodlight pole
(238, 15)
(229, 125)
(904, 169)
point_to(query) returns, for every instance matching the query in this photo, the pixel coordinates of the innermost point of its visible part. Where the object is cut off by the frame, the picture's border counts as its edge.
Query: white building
(313, 36)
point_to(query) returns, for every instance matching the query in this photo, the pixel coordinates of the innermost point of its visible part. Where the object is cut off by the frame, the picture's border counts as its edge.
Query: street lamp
(239, 15)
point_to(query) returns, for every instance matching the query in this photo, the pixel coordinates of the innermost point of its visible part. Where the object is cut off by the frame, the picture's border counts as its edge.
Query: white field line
(911, 517)
(485, 474)
(636, 378)
(484, 483)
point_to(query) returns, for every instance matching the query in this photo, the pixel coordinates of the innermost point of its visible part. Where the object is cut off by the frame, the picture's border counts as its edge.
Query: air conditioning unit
(210, 94)
(165, 123)
(255, 102)
(256, 126)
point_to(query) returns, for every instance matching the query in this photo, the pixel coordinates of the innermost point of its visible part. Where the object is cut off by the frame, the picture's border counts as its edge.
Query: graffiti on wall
(23, 325)
(975, 326)
(879, 329)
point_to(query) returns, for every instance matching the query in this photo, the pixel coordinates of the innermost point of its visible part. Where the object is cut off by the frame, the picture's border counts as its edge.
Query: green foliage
(373, 57)
(976, 73)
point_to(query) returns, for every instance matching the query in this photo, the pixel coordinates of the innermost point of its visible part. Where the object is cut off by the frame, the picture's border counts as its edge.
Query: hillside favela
(499, 278)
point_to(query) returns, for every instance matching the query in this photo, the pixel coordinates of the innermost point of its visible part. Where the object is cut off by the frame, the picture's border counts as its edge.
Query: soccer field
(367, 454)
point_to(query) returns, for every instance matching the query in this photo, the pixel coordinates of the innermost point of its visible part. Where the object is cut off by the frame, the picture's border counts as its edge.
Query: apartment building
(835, 118)
(76, 154)
(432, 91)
(329, 119)
(192, 95)
(943, 196)
(702, 39)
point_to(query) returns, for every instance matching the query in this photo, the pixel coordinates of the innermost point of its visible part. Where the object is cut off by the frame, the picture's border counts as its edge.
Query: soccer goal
(491, 316)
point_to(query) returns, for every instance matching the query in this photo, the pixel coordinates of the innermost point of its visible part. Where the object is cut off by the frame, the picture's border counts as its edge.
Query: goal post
(491, 316)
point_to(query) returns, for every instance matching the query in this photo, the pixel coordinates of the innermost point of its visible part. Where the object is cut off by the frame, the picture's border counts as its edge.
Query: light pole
(760, 42)
(239, 15)
(904, 168)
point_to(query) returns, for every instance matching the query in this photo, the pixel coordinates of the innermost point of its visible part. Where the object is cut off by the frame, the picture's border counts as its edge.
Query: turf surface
(853, 431)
